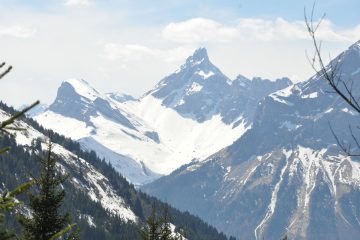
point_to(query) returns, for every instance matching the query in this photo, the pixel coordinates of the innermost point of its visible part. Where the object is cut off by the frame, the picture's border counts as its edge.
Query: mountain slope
(103, 203)
(138, 137)
(96, 121)
(286, 174)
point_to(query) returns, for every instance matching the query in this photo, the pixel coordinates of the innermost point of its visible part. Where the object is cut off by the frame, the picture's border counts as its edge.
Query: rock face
(77, 99)
(199, 90)
(190, 114)
(285, 175)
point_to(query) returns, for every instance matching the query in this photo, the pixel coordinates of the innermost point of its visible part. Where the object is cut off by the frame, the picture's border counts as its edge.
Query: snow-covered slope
(137, 137)
(95, 120)
(92, 182)
(286, 175)
(186, 138)
(189, 115)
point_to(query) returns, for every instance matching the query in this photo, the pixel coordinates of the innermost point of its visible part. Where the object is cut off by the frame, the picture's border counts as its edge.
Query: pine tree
(7, 203)
(47, 223)
(165, 228)
(8, 199)
(159, 228)
(151, 230)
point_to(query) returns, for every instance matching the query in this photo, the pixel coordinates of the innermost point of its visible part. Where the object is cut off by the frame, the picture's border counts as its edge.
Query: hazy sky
(129, 45)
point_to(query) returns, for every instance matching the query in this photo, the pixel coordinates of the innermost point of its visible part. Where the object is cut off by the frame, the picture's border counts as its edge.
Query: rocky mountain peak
(79, 87)
(198, 57)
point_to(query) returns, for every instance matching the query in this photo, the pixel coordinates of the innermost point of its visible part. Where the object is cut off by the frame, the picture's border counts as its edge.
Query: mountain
(98, 123)
(285, 175)
(200, 91)
(190, 114)
(102, 203)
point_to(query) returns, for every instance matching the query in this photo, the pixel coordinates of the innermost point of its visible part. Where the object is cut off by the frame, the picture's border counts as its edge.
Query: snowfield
(96, 185)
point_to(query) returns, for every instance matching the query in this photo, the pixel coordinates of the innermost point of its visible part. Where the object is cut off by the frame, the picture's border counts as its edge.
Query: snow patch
(310, 95)
(205, 75)
(349, 111)
(195, 87)
(273, 201)
(276, 98)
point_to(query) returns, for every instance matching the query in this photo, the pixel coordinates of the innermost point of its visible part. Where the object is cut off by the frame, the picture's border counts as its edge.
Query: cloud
(78, 3)
(201, 30)
(134, 52)
(127, 52)
(198, 30)
(17, 31)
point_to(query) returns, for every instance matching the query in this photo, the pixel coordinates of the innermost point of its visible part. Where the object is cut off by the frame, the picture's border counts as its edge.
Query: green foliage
(8, 200)
(159, 228)
(152, 229)
(46, 222)
(63, 232)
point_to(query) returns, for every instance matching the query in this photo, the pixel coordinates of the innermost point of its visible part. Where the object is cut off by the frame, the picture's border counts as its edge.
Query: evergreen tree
(151, 230)
(7, 199)
(7, 203)
(165, 228)
(159, 228)
(47, 223)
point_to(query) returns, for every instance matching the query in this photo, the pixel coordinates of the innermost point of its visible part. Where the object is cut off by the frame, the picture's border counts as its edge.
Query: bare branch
(6, 71)
(331, 74)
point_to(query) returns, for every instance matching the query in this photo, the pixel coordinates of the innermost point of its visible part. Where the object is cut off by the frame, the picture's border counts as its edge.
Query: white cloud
(200, 30)
(135, 52)
(78, 3)
(127, 52)
(17, 31)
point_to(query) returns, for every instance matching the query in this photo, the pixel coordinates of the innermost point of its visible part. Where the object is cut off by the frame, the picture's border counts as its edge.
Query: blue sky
(107, 41)
(343, 12)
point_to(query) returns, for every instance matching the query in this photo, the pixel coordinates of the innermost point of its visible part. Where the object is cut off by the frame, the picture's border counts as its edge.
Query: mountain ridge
(136, 135)
(284, 176)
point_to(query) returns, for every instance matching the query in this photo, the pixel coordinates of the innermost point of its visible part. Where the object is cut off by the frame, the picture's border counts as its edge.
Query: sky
(128, 46)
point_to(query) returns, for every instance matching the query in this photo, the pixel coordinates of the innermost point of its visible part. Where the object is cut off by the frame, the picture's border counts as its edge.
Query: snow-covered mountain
(94, 119)
(190, 114)
(200, 91)
(285, 175)
(102, 203)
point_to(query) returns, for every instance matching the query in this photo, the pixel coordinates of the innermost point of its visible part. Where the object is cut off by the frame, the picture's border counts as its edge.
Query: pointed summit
(199, 56)
(77, 99)
(79, 87)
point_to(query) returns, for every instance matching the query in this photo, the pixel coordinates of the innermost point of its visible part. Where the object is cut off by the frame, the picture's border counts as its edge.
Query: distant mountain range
(286, 174)
(255, 158)
(191, 114)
